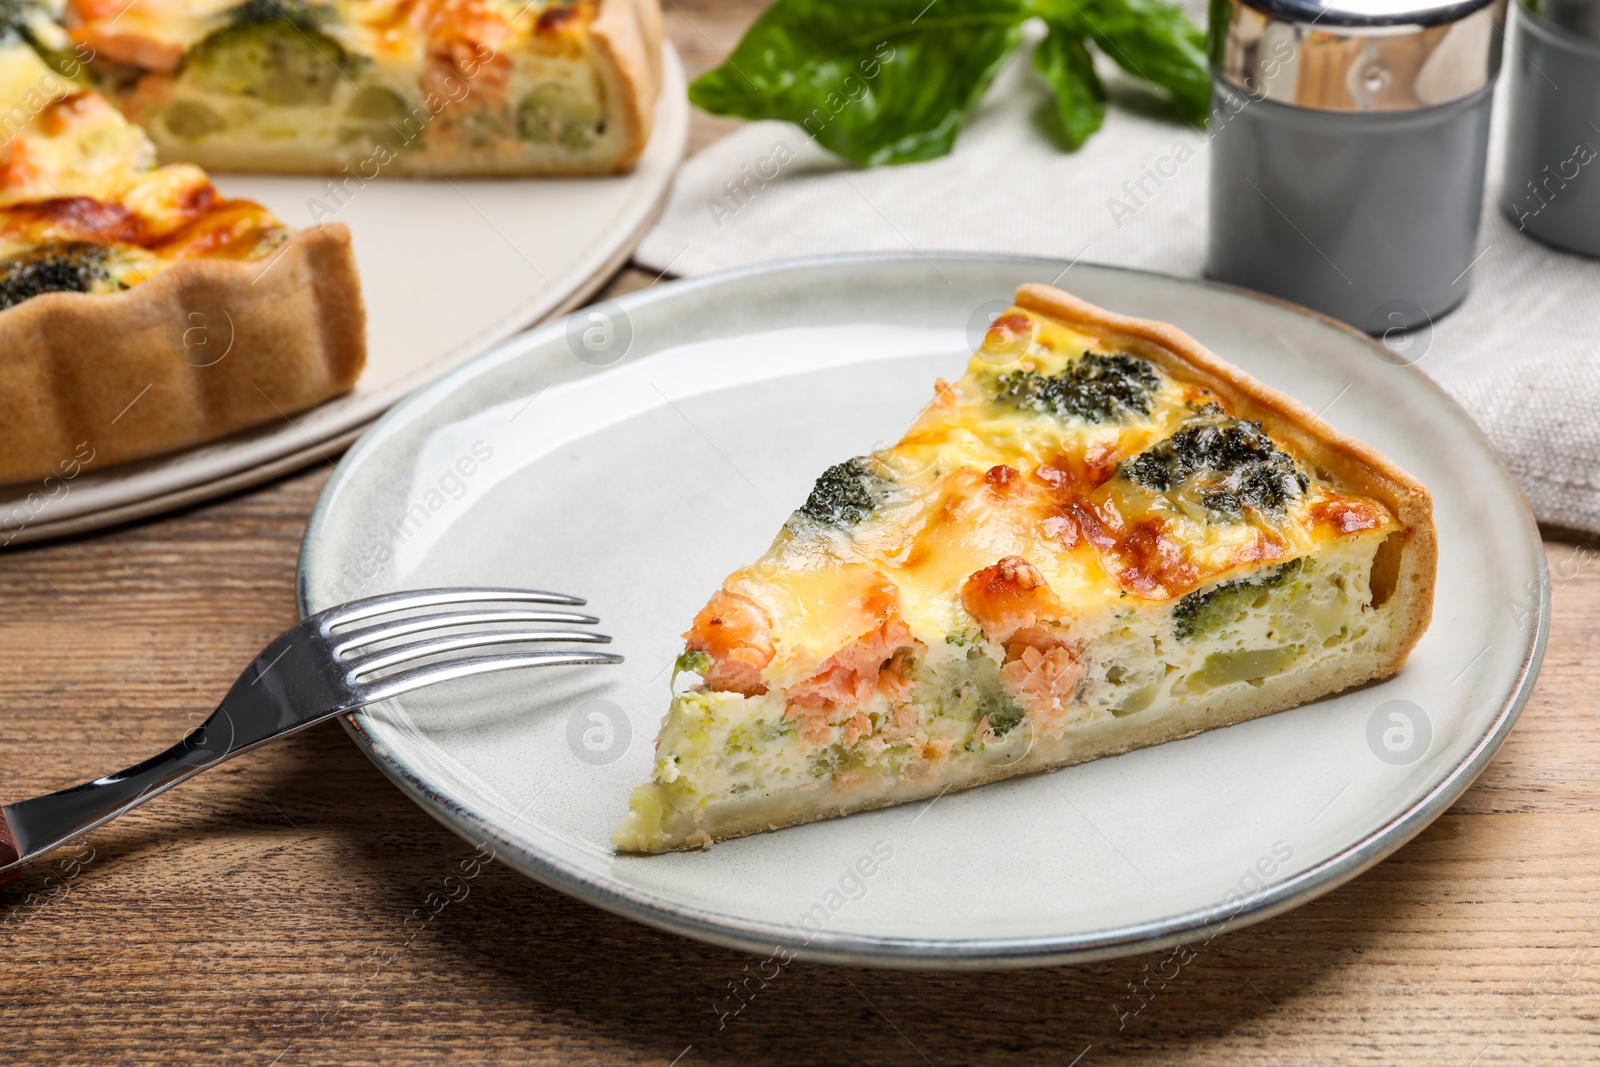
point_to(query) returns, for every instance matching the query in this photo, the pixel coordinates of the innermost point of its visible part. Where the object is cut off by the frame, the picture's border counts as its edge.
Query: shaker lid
(1360, 55)
(1372, 13)
(1582, 17)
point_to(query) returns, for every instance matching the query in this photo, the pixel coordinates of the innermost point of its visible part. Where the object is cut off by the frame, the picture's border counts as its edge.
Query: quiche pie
(140, 310)
(1102, 537)
(361, 88)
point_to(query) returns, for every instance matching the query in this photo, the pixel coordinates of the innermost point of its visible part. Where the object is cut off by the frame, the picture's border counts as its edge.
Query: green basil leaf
(875, 81)
(1066, 64)
(1154, 41)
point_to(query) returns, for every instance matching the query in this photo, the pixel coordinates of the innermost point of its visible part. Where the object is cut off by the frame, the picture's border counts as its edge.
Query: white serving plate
(639, 485)
(448, 269)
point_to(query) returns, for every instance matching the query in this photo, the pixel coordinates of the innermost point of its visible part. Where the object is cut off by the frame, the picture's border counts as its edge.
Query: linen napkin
(1519, 353)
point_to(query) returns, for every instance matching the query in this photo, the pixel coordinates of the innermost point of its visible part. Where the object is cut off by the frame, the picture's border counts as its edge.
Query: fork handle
(30, 828)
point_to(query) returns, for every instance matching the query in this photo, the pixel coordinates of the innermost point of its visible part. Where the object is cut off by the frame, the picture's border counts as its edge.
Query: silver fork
(314, 671)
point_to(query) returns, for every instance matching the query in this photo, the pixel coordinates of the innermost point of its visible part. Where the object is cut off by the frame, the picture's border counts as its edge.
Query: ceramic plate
(639, 484)
(448, 269)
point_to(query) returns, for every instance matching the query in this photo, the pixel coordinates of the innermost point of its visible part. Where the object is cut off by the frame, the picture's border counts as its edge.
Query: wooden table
(268, 912)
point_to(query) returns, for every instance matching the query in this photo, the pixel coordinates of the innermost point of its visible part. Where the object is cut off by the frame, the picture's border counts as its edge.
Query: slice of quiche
(1102, 537)
(140, 310)
(362, 88)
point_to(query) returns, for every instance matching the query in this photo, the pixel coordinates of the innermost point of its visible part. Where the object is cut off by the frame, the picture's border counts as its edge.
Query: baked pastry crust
(204, 349)
(708, 787)
(629, 34)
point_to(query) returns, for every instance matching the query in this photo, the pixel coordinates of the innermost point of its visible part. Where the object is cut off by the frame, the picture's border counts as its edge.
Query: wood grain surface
(286, 908)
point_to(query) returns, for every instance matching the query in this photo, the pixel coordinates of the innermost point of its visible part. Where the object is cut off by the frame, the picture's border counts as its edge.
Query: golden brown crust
(204, 349)
(628, 35)
(1340, 460)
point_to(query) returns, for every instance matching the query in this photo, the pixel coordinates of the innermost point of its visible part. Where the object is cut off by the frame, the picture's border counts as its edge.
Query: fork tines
(355, 647)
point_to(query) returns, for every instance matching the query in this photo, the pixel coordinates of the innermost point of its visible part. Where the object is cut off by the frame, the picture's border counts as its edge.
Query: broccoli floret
(29, 22)
(1204, 612)
(1225, 465)
(271, 50)
(970, 689)
(1004, 715)
(297, 12)
(1095, 388)
(690, 663)
(64, 267)
(845, 494)
(18, 19)
(697, 662)
(555, 113)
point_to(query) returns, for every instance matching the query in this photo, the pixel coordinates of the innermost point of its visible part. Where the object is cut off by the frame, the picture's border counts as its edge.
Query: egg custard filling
(363, 88)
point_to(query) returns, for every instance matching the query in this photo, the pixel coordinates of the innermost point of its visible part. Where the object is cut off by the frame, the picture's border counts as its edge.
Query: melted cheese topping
(156, 34)
(82, 204)
(976, 480)
(153, 34)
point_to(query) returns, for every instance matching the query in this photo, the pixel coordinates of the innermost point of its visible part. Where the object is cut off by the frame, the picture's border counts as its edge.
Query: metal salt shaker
(1552, 177)
(1347, 156)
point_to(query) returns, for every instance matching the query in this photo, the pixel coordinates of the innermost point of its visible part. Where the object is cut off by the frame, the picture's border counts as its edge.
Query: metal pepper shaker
(1348, 143)
(1552, 160)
